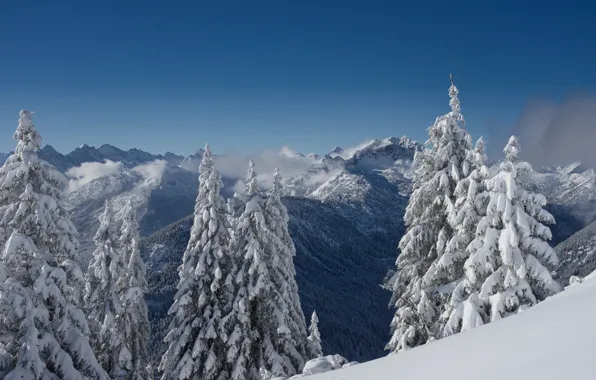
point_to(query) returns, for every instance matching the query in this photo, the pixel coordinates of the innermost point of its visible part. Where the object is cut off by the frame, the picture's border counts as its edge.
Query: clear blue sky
(245, 75)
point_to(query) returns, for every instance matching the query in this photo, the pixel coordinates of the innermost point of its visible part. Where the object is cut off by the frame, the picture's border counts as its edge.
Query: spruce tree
(41, 283)
(314, 336)
(289, 336)
(206, 338)
(103, 291)
(507, 268)
(419, 283)
(469, 208)
(135, 361)
(278, 344)
(253, 279)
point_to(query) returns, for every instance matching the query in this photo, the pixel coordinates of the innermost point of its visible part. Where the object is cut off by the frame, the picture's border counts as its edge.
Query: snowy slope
(551, 341)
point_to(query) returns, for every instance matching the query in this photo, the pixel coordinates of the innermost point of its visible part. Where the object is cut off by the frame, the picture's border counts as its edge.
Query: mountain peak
(49, 149)
(335, 152)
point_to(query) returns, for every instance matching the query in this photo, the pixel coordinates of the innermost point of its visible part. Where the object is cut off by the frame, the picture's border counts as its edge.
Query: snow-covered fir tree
(251, 186)
(291, 337)
(135, 359)
(507, 268)
(252, 278)
(420, 285)
(103, 290)
(314, 336)
(279, 344)
(235, 204)
(469, 208)
(206, 338)
(43, 328)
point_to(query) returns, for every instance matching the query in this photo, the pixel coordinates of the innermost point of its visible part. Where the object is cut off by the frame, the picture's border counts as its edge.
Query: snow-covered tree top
(207, 162)
(478, 156)
(480, 145)
(454, 102)
(277, 182)
(29, 138)
(252, 186)
(512, 149)
(105, 224)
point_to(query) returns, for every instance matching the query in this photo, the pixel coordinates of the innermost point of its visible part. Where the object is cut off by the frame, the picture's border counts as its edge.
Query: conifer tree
(469, 208)
(102, 297)
(507, 268)
(418, 282)
(278, 343)
(253, 278)
(135, 360)
(40, 288)
(314, 336)
(206, 338)
(290, 337)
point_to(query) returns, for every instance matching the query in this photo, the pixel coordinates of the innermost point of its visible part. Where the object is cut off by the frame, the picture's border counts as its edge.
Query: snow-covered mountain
(577, 254)
(551, 341)
(571, 184)
(571, 194)
(86, 153)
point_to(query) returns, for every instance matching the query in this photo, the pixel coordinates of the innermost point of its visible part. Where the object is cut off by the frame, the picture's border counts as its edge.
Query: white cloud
(322, 176)
(89, 171)
(287, 161)
(151, 170)
(553, 133)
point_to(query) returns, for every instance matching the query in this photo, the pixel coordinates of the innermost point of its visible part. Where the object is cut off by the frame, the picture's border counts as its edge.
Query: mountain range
(346, 211)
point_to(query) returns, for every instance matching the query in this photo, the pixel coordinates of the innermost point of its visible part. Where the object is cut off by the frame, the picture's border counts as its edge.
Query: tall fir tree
(135, 361)
(469, 208)
(277, 329)
(290, 336)
(314, 336)
(206, 337)
(40, 289)
(507, 268)
(419, 282)
(103, 290)
(252, 278)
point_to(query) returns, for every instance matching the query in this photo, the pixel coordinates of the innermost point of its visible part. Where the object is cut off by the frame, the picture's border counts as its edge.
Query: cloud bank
(151, 170)
(89, 171)
(288, 162)
(79, 176)
(553, 133)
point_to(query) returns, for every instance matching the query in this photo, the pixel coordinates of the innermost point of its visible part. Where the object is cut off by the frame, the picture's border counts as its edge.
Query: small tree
(102, 297)
(40, 282)
(314, 338)
(135, 361)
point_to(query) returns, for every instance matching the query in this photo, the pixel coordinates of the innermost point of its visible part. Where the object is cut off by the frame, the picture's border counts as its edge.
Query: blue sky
(247, 75)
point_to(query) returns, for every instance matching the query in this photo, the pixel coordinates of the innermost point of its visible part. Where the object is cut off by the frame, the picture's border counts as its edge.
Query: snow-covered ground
(554, 340)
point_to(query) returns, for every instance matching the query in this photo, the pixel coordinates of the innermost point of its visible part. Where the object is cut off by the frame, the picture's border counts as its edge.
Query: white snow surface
(551, 341)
